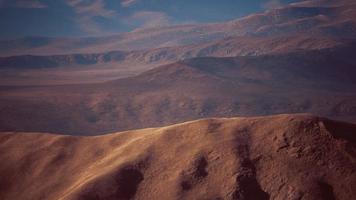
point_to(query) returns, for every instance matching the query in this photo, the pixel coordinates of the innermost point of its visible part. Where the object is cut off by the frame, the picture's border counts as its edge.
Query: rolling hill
(277, 157)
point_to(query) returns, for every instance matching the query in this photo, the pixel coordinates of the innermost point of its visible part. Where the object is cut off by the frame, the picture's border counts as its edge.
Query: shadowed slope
(279, 157)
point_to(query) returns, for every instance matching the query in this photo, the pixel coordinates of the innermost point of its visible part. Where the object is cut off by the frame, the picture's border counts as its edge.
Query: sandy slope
(278, 157)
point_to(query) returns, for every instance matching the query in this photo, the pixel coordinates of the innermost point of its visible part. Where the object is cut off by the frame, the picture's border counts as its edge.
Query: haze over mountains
(304, 81)
(303, 26)
(293, 59)
(308, 18)
(76, 114)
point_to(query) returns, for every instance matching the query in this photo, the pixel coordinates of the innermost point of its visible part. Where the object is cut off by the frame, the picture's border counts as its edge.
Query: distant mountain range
(227, 77)
(320, 82)
(298, 58)
(331, 18)
(302, 26)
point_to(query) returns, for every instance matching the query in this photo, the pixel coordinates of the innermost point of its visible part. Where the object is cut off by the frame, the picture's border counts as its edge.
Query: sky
(77, 18)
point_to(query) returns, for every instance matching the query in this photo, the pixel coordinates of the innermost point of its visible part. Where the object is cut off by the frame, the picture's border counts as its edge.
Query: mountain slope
(278, 157)
(320, 82)
(99, 67)
(291, 28)
(228, 47)
(336, 19)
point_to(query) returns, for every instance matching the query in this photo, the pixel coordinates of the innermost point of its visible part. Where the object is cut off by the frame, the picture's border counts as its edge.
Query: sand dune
(277, 157)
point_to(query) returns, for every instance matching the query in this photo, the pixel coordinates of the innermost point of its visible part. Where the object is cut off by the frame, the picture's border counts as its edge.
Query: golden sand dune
(278, 157)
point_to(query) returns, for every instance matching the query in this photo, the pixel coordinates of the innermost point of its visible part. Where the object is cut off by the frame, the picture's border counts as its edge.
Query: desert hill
(276, 157)
(320, 82)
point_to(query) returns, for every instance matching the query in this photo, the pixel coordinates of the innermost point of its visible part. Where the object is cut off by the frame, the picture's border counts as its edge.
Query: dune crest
(277, 157)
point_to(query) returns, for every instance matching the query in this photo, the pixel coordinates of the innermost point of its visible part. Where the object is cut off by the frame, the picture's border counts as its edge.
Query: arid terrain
(294, 59)
(311, 25)
(320, 82)
(277, 157)
(178, 110)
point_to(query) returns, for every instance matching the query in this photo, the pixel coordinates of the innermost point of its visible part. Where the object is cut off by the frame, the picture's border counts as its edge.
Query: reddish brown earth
(294, 59)
(278, 157)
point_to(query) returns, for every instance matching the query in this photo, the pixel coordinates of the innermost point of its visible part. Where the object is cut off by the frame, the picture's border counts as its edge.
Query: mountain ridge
(181, 35)
(236, 158)
(284, 29)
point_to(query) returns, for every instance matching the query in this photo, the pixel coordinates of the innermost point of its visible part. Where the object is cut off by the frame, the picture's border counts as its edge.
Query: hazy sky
(67, 18)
